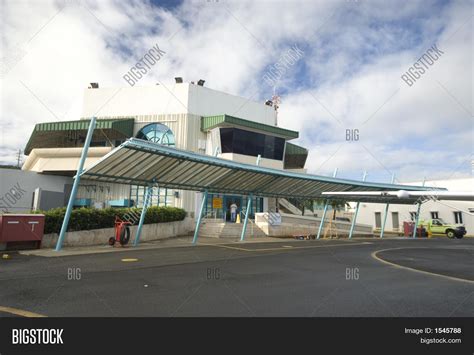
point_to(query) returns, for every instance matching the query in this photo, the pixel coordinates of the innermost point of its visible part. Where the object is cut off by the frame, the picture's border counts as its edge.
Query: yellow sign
(217, 202)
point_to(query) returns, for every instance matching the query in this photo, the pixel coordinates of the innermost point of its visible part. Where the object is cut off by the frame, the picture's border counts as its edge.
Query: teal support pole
(247, 213)
(146, 201)
(321, 224)
(75, 185)
(417, 218)
(386, 213)
(198, 222)
(356, 211)
(384, 220)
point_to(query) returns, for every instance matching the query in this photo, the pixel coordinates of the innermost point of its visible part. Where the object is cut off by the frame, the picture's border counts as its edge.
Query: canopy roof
(64, 134)
(142, 162)
(395, 196)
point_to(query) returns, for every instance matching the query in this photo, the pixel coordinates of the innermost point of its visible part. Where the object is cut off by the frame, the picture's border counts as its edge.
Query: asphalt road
(289, 278)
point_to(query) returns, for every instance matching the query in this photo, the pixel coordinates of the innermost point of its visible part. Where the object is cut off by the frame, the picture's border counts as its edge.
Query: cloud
(348, 78)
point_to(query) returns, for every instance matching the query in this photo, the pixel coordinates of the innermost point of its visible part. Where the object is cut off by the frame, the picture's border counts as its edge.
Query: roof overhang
(210, 122)
(295, 156)
(61, 160)
(400, 196)
(62, 134)
(141, 162)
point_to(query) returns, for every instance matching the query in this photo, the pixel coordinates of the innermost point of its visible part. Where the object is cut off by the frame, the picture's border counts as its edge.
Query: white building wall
(135, 101)
(445, 209)
(246, 159)
(172, 99)
(207, 102)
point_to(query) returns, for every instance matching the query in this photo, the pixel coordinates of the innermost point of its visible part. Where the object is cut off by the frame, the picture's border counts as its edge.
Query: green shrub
(92, 218)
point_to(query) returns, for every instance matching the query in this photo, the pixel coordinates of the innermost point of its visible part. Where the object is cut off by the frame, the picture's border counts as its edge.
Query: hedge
(92, 218)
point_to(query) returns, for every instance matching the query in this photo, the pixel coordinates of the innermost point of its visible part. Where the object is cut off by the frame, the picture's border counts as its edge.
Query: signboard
(217, 202)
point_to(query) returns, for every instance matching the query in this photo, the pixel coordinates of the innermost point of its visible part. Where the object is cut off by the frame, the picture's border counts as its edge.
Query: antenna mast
(18, 159)
(276, 100)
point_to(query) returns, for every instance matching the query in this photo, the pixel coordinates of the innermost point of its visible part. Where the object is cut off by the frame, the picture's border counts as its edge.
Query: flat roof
(209, 122)
(140, 162)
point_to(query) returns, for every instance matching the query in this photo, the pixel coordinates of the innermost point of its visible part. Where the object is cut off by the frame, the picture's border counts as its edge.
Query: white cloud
(355, 53)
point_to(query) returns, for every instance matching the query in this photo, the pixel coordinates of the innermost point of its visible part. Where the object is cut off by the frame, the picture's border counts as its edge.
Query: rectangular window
(269, 147)
(159, 197)
(238, 145)
(239, 141)
(434, 215)
(279, 148)
(227, 138)
(378, 220)
(395, 221)
(458, 217)
(413, 216)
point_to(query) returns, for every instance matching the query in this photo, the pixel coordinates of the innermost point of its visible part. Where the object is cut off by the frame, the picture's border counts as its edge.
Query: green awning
(209, 122)
(68, 133)
(295, 156)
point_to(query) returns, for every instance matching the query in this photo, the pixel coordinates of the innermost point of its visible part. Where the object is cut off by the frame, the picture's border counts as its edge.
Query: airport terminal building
(187, 116)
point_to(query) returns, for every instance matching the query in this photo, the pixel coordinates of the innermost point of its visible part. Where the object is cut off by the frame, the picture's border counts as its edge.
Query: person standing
(233, 212)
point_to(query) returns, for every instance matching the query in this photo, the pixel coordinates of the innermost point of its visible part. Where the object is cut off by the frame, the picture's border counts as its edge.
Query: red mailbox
(20, 228)
(408, 228)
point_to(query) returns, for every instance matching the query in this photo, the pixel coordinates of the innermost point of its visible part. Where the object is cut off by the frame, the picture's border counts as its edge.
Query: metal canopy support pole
(321, 224)
(247, 213)
(386, 213)
(417, 218)
(146, 200)
(198, 222)
(75, 185)
(354, 218)
(384, 220)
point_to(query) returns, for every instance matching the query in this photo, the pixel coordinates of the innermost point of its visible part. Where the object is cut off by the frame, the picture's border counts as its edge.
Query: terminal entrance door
(229, 200)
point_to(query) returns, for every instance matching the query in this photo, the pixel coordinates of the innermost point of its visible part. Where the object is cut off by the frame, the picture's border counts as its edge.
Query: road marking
(21, 312)
(374, 255)
(129, 260)
(283, 248)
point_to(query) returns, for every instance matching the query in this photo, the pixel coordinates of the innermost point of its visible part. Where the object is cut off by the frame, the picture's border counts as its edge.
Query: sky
(347, 76)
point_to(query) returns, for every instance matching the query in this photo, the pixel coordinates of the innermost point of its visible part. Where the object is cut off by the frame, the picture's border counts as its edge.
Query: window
(458, 217)
(378, 220)
(159, 196)
(239, 141)
(395, 221)
(434, 215)
(413, 216)
(157, 133)
(227, 137)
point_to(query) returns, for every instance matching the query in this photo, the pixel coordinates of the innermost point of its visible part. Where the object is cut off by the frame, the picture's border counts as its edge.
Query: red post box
(408, 228)
(21, 228)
